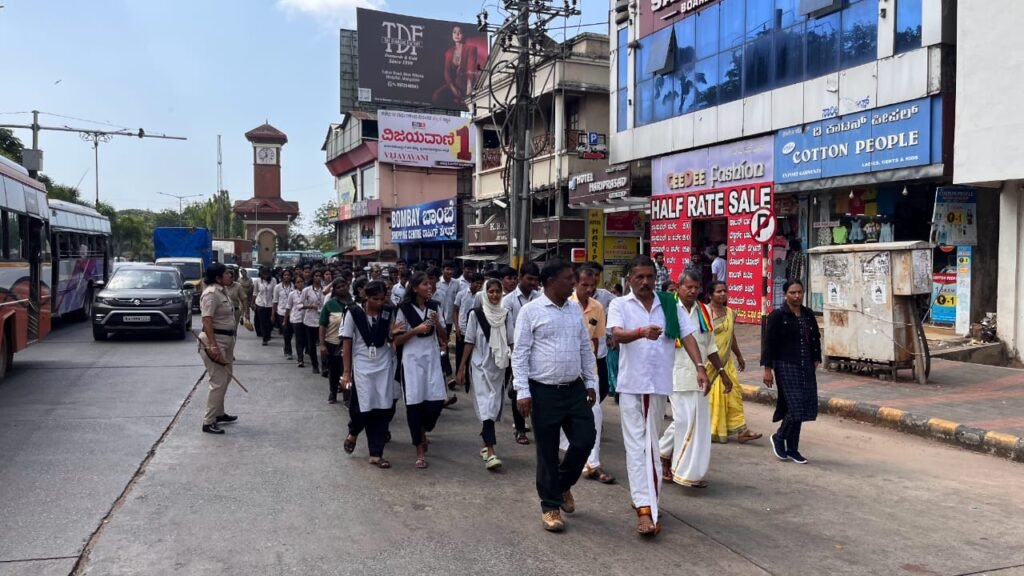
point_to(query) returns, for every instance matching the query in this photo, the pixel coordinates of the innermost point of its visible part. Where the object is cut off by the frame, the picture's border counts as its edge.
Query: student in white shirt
(293, 316)
(282, 301)
(263, 291)
(312, 300)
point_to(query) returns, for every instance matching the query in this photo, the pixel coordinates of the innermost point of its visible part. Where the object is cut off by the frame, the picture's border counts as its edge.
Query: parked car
(140, 298)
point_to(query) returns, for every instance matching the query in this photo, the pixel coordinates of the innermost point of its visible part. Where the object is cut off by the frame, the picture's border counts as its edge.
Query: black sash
(413, 318)
(481, 319)
(378, 337)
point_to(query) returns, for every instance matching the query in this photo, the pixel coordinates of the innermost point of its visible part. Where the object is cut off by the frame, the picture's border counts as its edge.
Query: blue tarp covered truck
(190, 250)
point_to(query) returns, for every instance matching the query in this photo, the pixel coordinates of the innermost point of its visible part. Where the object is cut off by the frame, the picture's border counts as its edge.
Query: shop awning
(359, 253)
(479, 257)
(532, 256)
(331, 254)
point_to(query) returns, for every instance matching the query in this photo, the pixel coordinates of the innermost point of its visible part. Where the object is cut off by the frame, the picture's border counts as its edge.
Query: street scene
(365, 287)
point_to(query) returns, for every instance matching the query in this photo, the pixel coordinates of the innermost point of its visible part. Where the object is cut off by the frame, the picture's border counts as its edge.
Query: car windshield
(189, 270)
(144, 280)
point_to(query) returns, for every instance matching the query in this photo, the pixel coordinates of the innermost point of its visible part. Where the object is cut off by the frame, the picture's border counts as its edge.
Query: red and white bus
(25, 262)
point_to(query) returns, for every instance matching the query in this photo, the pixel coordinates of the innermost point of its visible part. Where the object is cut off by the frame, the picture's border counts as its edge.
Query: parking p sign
(762, 225)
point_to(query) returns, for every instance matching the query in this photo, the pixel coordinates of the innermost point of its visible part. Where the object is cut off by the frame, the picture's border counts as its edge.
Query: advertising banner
(964, 256)
(886, 138)
(624, 224)
(429, 222)
(427, 140)
(955, 217)
(620, 250)
(944, 299)
(416, 61)
(717, 167)
(589, 187)
(595, 235)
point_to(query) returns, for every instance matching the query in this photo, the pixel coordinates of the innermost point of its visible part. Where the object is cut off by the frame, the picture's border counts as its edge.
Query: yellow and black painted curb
(987, 441)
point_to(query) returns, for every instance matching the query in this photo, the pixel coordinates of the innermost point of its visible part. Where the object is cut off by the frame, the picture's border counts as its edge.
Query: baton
(206, 350)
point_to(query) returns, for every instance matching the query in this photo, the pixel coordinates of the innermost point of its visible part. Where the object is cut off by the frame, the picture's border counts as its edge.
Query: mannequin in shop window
(871, 231)
(840, 234)
(885, 232)
(856, 232)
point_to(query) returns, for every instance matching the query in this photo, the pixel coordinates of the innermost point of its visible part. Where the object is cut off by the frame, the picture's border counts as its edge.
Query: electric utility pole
(524, 32)
(95, 137)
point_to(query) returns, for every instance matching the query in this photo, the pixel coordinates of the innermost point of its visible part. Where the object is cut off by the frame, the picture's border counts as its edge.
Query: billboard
(427, 140)
(429, 222)
(404, 60)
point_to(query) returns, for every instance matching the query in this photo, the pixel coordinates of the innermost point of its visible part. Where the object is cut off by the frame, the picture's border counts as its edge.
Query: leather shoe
(553, 521)
(226, 419)
(568, 502)
(212, 429)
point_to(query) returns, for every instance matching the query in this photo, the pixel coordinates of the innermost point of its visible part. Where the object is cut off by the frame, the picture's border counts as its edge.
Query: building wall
(405, 186)
(1010, 308)
(989, 117)
(267, 181)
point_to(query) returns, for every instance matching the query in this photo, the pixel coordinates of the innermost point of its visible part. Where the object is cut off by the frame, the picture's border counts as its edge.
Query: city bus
(25, 262)
(79, 240)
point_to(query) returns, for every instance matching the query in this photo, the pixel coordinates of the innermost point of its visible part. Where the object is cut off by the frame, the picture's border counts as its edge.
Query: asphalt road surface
(104, 470)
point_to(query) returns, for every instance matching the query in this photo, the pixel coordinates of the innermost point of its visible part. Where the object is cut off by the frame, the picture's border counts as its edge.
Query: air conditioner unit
(817, 8)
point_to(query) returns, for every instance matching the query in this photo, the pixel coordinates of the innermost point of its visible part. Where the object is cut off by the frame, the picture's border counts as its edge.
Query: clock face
(266, 155)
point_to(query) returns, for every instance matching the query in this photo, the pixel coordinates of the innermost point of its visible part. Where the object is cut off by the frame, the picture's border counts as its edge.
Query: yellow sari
(727, 418)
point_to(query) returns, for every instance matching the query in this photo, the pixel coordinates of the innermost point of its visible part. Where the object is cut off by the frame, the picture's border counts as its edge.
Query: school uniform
(422, 377)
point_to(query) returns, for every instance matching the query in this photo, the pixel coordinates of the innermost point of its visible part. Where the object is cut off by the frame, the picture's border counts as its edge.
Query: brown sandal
(600, 475)
(666, 469)
(748, 436)
(652, 529)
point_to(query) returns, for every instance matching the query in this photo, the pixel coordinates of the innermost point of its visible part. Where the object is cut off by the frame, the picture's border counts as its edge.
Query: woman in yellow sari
(727, 418)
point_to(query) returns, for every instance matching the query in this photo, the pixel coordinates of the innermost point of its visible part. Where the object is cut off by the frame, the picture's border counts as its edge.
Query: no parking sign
(763, 225)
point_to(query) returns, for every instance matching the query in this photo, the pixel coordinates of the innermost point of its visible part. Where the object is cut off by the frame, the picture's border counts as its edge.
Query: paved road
(278, 495)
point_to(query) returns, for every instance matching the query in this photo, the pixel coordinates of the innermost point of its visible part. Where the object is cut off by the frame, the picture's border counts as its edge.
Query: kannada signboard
(897, 136)
(426, 140)
(428, 222)
(411, 61)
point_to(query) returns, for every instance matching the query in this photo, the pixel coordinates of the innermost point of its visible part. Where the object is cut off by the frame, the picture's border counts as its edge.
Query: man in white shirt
(445, 295)
(282, 301)
(647, 325)
(525, 292)
(263, 291)
(556, 384)
(719, 266)
(686, 444)
(398, 290)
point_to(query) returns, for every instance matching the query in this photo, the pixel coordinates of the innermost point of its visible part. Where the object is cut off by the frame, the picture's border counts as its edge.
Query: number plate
(136, 318)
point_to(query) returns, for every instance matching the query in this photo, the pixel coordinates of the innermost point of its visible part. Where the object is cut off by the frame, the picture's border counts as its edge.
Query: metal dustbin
(867, 294)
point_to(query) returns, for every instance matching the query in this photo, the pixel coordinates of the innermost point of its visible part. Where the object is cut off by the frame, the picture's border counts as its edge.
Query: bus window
(3, 234)
(13, 236)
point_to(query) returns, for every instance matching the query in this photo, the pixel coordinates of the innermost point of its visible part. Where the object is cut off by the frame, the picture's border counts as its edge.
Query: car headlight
(174, 300)
(103, 300)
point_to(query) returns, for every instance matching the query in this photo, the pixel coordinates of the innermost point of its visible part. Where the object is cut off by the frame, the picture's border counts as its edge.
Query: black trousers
(602, 379)
(313, 345)
(555, 409)
(264, 326)
(333, 361)
(300, 340)
(460, 346)
(488, 434)
(374, 422)
(446, 362)
(517, 419)
(286, 332)
(422, 418)
(789, 431)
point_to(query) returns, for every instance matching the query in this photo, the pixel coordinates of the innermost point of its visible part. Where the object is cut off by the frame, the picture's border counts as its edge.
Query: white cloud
(334, 12)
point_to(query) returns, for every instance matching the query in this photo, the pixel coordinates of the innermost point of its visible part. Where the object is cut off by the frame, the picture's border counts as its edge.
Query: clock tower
(266, 215)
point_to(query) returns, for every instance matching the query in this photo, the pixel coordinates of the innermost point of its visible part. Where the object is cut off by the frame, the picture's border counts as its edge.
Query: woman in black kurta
(792, 349)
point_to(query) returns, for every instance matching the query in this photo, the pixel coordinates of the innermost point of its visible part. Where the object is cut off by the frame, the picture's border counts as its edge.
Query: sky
(192, 68)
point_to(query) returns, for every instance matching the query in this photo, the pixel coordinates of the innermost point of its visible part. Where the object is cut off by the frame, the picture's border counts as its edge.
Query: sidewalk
(971, 405)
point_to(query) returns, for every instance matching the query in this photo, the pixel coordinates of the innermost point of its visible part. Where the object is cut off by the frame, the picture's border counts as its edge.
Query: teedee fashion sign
(417, 61)
(428, 222)
(426, 140)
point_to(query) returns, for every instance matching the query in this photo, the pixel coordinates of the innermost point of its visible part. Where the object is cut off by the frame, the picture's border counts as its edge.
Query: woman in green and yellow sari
(727, 418)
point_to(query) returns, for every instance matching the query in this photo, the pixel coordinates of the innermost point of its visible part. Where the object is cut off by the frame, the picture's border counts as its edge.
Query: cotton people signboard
(429, 222)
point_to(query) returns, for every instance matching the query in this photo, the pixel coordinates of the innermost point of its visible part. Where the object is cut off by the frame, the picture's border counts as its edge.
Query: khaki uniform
(216, 304)
(239, 298)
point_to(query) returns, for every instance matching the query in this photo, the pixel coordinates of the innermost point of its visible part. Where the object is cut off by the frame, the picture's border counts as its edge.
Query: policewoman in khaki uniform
(217, 344)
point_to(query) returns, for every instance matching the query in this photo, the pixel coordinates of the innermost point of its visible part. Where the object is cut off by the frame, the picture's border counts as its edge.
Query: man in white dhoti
(647, 326)
(686, 444)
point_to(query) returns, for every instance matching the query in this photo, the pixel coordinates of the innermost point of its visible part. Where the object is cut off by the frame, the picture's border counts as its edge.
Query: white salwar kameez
(488, 379)
(421, 365)
(644, 383)
(687, 439)
(373, 373)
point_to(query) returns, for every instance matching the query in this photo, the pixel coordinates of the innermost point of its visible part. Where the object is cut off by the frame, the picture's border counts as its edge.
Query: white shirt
(314, 298)
(397, 293)
(264, 292)
(684, 372)
(718, 269)
(282, 297)
(296, 313)
(445, 295)
(645, 366)
(553, 346)
(514, 302)
(467, 301)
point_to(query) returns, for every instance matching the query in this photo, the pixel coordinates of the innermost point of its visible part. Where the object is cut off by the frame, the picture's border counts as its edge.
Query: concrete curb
(990, 442)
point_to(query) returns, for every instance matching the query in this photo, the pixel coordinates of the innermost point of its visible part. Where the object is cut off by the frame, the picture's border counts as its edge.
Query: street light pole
(180, 198)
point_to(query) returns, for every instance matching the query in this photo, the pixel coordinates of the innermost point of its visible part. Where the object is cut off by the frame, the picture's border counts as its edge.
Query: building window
(706, 32)
(643, 103)
(822, 45)
(705, 84)
(860, 34)
(908, 25)
(730, 75)
(757, 62)
(622, 107)
(622, 73)
(789, 55)
(731, 28)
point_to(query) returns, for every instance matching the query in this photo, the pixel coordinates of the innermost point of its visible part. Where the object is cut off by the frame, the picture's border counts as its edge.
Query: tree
(10, 145)
(322, 236)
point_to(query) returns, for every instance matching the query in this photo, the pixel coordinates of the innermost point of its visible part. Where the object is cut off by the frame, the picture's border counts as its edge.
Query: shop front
(427, 231)
(702, 205)
(879, 176)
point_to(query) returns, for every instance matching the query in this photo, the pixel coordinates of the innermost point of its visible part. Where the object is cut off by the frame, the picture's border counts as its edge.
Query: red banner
(672, 223)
